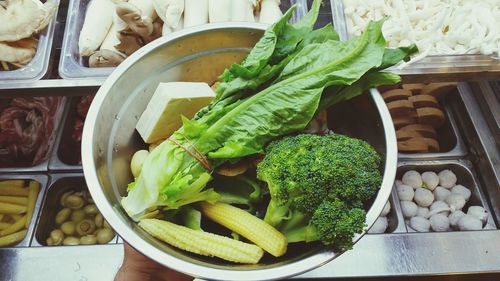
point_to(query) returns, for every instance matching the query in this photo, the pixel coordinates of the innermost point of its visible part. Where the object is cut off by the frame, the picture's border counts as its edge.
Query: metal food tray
(60, 183)
(38, 66)
(432, 68)
(73, 66)
(43, 166)
(449, 139)
(43, 180)
(58, 160)
(465, 176)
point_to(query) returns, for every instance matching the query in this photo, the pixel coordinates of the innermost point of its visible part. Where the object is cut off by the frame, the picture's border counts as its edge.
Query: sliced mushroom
(129, 43)
(105, 58)
(141, 25)
(35, 17)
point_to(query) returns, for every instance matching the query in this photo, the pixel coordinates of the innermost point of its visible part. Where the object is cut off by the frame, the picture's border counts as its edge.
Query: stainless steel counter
(374, 255)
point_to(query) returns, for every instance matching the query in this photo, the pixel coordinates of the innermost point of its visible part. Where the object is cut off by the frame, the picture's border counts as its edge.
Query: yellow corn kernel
(252, 228)
(202, 243)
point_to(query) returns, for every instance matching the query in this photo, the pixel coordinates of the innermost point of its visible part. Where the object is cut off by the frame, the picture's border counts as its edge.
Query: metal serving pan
(66, 155)
(449, 138)
(38, 66)
(465, 176)
(432, 68)
(73, 66)
(60, 183)
(43, 180)
(395, 216)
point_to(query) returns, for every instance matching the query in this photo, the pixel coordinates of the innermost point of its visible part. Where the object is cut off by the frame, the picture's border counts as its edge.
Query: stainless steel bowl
(200, 54)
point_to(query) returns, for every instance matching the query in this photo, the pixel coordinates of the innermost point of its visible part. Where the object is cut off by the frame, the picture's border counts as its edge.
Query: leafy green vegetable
(275, 91)
(318, 185)
(240, 190)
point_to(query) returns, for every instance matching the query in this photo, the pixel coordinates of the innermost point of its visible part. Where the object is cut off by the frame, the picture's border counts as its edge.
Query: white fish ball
(469, 222)
(423, 197)
(439, 207)
(398, 183)
(409, 209)
(441, 193)
(456, 201)
(462, 190)
(439, 222)
(479, 212)
(405, 192)
(412, 178)
(430, 180)
(422, 212)
(380, 225)
(447, 179)
(386, 210)
(455, 217)
(420, 224)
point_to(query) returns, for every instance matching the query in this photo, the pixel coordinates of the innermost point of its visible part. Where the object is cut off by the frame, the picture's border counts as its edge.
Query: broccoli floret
(318, 185)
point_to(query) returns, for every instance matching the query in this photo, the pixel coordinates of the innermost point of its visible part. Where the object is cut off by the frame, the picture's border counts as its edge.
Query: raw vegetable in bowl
(270, 97)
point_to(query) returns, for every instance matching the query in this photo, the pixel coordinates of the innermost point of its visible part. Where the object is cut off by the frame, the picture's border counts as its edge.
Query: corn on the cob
(248, 226)
(203, 243)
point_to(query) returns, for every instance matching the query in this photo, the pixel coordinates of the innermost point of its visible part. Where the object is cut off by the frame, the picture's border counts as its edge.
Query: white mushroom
(469, 222)
(423, 197)
(441, 193)
(219, 10)
(386, 210)
(380, 225)
(409, 209)
(466, 193)
(455, 217)
(195, 12)
(456, 201)
(405, 192)
(430, 180)
(23, 18)
(169, 11)
(242, 10)
(479, 212)
(439, 222)
(98, 21)
(420, 224)
(439, 207)
(447, 179)
(422, 212)
(105, 58)
(412, 178)
(140, 24)
(270, 11)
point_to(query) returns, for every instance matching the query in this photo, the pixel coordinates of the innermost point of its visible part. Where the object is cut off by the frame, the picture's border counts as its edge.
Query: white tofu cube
(162, 116)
